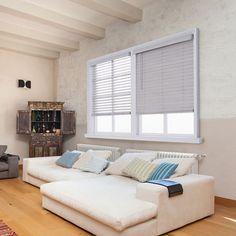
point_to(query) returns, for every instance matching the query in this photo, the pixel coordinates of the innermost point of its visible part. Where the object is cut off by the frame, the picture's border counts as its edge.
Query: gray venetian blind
(165, 79)
(112, 87)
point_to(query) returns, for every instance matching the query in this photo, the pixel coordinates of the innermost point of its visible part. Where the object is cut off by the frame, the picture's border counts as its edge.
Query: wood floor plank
(20, 208)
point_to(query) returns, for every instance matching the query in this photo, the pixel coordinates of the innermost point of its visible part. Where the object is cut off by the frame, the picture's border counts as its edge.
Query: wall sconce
(24, 83)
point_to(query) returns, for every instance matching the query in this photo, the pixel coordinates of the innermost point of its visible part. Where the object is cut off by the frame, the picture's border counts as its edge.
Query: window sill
(148, 139)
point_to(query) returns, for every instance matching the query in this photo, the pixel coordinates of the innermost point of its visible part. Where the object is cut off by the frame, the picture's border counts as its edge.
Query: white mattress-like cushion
(53, 172)
(108, 199)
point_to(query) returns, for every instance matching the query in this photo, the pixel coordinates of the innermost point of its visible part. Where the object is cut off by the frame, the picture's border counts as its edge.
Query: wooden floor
(20, 208)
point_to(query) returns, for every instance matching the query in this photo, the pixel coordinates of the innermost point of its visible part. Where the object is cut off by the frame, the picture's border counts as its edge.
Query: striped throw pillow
(163, 171)
(139, 169)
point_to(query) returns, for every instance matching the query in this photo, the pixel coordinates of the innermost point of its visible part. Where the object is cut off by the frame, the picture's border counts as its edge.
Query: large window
(148, 92)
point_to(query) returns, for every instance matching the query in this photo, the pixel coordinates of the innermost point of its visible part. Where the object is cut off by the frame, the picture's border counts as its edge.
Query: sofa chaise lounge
(111, 205)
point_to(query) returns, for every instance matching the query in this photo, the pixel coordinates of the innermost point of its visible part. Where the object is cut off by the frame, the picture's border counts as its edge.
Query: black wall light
(24, 83)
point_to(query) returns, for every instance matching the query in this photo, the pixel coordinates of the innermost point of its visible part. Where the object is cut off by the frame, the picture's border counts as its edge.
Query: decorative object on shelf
(57, 131)
(48, 116)
(37, 116)
(54, 129)
(46, 123)
(33, 130)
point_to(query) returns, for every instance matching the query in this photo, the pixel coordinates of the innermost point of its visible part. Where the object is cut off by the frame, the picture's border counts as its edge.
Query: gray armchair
(8, 164)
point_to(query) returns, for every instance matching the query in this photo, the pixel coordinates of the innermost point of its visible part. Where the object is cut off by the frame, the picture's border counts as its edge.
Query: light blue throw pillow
(68, 159)
(163, 171)
(95, 165)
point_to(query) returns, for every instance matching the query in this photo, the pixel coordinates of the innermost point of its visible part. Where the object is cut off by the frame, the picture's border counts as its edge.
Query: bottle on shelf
(53, 128)
(48, 116)
(47, 128)
(33, 130)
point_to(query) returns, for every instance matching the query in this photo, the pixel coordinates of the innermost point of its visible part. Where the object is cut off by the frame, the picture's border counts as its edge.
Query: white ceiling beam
(27, 49)
(37, 36)
(34, 12)
(115, 8)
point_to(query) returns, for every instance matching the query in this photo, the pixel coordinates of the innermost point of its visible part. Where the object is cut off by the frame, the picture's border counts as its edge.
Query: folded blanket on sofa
(173, 187)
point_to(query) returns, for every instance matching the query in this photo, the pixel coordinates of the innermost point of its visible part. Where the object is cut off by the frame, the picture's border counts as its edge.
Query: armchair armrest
(196, 202)
(13, 168)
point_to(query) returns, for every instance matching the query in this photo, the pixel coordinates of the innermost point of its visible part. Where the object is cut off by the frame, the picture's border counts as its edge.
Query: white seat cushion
(54, 172)
(108, 199)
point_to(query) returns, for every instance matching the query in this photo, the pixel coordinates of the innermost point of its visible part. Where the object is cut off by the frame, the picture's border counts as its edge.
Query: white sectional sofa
(110, 205)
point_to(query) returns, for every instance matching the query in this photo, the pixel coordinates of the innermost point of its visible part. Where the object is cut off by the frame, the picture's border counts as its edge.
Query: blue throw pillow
(68, 159)
(163, 171)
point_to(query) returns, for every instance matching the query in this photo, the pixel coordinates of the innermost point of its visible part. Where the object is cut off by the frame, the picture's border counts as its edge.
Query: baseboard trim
(225, 201)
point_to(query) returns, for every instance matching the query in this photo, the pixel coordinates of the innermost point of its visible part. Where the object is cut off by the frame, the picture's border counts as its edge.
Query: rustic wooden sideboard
(46, 123)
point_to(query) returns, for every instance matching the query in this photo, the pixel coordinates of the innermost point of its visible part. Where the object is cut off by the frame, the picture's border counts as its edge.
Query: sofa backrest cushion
(115, 150)
(163, 171)
(184, 165)
(3, 149)
(68, 159)
(121, 163)
(139, 169)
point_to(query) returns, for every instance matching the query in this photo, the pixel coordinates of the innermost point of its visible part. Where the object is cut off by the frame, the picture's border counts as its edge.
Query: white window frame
(135, 119)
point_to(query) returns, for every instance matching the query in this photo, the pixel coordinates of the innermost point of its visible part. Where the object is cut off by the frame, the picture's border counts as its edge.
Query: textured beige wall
(216, 21)
(14, 66)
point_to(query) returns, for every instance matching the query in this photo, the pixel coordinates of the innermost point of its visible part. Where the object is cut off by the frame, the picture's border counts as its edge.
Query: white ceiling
(46, 27)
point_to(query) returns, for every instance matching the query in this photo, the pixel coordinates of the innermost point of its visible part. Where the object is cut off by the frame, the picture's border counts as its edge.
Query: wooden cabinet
(46, 123)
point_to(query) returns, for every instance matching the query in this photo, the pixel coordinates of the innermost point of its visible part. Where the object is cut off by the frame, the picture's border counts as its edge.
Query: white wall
(216, 21)
(14, 66)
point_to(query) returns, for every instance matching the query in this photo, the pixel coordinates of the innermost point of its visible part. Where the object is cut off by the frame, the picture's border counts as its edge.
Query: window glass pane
(122, 123)
(152, 123)
(180, 123)
(104, 123)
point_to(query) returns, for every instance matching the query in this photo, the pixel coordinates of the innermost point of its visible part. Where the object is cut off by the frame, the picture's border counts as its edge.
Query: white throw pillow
(121, 163)
(95, 165)
(184, 165)
(86, 156)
